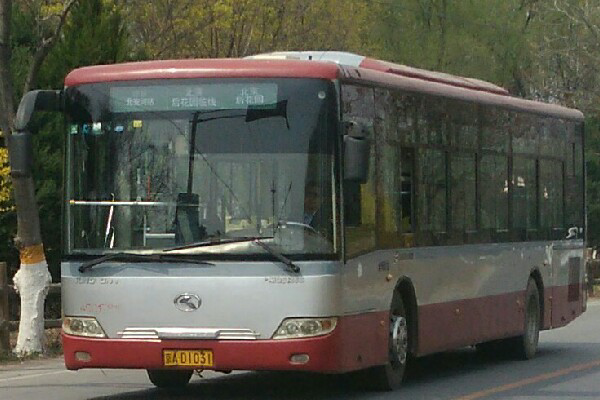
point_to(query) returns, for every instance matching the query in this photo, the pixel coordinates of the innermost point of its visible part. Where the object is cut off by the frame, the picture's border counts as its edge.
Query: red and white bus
(312, 211)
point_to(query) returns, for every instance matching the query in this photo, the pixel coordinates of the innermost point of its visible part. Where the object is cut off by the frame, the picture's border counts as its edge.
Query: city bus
(312, 211)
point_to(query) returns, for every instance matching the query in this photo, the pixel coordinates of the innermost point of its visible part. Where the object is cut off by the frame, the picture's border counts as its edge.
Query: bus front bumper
(353, 345)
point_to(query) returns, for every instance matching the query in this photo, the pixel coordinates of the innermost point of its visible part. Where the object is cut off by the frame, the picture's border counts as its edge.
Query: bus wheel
(389, 376)
(525, 346)
(169, 378)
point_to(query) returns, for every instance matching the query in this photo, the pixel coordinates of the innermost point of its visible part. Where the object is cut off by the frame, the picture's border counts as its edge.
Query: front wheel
(389, 376)
(169, 378)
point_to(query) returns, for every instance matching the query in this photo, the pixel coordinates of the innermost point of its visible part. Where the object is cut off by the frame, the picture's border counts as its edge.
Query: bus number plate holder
(188, 358)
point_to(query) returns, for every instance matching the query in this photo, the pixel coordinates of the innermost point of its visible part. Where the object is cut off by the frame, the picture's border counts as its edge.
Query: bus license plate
(188, 358)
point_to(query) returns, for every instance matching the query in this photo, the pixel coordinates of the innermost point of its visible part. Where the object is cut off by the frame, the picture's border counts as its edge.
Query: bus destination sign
(213, 96)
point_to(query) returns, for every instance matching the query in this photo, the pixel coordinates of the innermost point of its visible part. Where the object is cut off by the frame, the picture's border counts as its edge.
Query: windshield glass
(157, 165)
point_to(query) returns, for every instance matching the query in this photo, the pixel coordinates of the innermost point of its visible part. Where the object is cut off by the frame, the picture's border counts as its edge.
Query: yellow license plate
(188, 358)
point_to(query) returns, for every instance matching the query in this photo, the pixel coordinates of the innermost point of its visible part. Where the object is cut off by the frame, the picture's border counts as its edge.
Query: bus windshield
(188, 165)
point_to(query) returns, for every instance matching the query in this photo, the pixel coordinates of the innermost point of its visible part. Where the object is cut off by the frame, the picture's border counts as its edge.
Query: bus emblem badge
(187, 302)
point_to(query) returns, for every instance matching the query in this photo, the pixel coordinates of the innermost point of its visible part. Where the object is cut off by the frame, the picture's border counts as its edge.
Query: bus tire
(169, 378)
(389, 376)
(525, 346)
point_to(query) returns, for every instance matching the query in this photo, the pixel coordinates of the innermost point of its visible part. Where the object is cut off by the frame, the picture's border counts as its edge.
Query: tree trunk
(33, 278)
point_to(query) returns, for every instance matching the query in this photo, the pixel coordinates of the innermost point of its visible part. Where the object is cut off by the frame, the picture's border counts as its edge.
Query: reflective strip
(32, 254)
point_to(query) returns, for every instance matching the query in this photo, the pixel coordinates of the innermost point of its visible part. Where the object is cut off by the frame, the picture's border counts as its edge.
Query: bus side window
(431, 195)
(574, 178)
(359, 199)
(352, 204)
(407, 189)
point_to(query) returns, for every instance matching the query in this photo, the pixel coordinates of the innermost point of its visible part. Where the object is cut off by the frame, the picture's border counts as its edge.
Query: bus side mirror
(356, 152)
(20, 148)
(36, 100)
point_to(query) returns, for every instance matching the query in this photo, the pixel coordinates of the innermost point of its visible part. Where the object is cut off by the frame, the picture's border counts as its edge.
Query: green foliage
(592, 154)
(542, 50)
(236, 28)
(485, 40)
(8, 220)
(93, 34)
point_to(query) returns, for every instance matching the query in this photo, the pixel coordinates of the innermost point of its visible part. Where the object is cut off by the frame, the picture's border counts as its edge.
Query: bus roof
(202, 68)
(324, 65)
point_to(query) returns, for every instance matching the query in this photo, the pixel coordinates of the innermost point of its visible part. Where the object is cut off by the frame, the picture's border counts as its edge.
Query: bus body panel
(568, 270)
(252, 296)
(472, 293)
(356, 343)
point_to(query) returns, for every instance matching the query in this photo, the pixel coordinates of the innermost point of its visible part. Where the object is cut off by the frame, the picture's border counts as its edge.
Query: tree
(567, 47)
(33, 278)
(484, 40)
(568, 50)
(93, 34)
(236, 28)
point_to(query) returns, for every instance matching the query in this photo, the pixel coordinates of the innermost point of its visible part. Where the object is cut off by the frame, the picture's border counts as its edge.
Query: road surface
(566, 367)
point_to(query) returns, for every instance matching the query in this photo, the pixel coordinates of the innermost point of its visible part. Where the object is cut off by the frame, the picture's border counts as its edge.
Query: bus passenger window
(431, 193)
(463, 197)
(551, 198)
(360, 199)
(494, 193)
(524, 196)
(407, 190)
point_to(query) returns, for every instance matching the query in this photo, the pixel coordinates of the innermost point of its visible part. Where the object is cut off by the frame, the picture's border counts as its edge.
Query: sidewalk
(14, 364)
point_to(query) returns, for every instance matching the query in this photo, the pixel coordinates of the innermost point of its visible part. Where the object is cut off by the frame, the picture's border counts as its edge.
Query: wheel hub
(399, 340)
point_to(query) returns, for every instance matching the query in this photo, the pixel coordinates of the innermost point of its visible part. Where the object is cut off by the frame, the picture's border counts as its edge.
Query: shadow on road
(295, 385)
(259, 385)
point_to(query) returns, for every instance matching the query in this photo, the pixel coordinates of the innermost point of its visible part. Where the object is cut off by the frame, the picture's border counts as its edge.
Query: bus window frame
(483, 111)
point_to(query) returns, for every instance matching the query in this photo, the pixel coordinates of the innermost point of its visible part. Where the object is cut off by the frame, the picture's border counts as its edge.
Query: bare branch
(45, 46)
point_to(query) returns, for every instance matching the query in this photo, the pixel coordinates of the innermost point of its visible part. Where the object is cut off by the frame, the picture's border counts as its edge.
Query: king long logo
(187, 302)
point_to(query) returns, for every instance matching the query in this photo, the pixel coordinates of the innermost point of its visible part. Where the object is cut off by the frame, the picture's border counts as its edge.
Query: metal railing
(6, 293)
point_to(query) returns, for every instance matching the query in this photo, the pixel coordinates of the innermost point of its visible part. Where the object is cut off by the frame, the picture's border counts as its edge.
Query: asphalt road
(567, 367)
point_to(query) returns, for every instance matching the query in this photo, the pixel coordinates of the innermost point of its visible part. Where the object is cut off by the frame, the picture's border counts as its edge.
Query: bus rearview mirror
(356, 159)
(36, 100)
(19, 142)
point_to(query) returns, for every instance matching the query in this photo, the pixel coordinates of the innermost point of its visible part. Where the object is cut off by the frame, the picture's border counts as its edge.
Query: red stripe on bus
(445, 326)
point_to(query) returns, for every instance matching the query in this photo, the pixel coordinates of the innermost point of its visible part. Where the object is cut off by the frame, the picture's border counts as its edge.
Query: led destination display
(217, 96)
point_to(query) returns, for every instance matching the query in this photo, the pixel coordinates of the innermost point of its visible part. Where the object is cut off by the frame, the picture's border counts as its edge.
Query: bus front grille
(187, 333)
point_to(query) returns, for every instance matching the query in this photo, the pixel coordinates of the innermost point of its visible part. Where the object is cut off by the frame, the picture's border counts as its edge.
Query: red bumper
(357, 342)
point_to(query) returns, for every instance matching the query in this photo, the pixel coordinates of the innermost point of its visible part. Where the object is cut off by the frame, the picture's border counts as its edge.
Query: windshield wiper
(254, 239)
(216, 242)
(138, 258)
(293, 267)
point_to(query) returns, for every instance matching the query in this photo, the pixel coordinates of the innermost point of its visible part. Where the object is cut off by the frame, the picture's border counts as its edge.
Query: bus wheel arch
(401, 340)
(524, 346)
(536, 276)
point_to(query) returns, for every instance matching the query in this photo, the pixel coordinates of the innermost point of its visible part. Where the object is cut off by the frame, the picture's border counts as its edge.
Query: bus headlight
(292, 328)
(83, 326)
